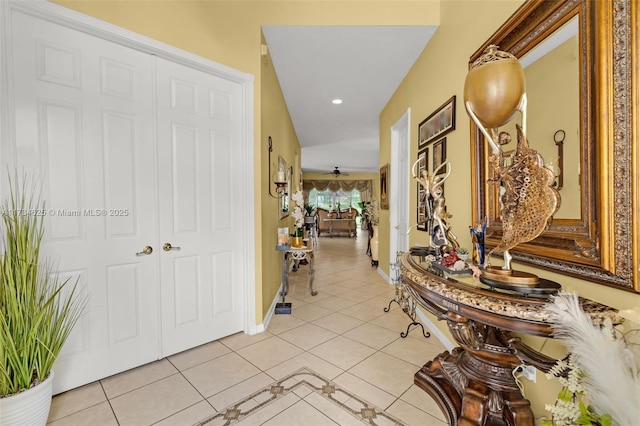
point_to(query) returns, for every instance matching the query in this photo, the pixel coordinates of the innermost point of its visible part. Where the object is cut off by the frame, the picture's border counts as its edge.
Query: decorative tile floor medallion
(301, 384)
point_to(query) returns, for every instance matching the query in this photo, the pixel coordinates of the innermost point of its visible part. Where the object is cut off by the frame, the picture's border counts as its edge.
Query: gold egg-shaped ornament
(494, 87)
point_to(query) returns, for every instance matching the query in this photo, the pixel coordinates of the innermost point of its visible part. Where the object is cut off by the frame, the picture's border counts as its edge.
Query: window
(329, 200)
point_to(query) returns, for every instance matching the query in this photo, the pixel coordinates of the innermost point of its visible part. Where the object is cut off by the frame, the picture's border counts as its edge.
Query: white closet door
(84, 122)
(199, 151)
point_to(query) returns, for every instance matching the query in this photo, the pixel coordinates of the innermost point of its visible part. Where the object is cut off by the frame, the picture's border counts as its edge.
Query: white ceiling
(362, 65)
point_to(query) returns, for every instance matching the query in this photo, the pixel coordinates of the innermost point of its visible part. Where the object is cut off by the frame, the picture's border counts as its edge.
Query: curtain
(364, 186)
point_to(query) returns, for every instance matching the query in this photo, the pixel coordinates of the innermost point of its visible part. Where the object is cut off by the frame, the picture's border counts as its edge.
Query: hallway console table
(474, 384)
(292, 256)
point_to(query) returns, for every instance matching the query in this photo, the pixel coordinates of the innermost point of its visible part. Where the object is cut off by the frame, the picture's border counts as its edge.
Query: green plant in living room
(38, 309)
(309, 209)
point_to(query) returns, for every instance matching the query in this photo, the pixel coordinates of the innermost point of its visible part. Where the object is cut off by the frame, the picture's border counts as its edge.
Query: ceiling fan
(336, 172)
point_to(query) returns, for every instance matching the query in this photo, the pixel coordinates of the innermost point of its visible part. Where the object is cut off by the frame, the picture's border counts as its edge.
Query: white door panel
(132, 151)
(198, 145)
(83, 114)
(399, 201)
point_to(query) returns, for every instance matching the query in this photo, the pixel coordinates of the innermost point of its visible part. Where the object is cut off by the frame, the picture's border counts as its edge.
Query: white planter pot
(30, 407)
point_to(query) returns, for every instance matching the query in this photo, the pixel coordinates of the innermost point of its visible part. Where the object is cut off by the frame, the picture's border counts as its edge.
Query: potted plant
(463, 253)
(37, 312)
(310, 211)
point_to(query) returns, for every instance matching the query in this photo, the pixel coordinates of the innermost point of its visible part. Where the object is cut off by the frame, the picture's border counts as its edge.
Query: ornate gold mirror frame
(603, 245)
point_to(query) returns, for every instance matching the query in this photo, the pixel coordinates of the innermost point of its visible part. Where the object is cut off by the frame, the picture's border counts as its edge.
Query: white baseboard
(260, 328)
(385, 276)
(272, 309)
(255, 329)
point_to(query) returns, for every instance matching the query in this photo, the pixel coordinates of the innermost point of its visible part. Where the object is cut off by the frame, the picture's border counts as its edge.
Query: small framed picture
(439, 155)
(438, 238)
(384, 188)
(438, 124)
(422, 199)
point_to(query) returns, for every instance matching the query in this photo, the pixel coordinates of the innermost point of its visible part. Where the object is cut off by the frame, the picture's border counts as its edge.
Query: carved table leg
(473, 392)
(311, 274)
(442, 380)
(475, 405)
(518, 410)
(483, 406)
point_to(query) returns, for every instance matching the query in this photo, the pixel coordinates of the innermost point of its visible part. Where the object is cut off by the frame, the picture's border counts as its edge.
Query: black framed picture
(438, 124)
(384, 189)
(439, 156)
(422, 199)
(438, 238)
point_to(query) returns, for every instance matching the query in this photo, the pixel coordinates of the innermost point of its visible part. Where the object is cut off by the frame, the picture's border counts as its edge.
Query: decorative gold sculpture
(495, 89)
(437, 217)
(494, 92)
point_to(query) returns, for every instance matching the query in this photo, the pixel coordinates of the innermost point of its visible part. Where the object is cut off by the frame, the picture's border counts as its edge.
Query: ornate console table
(474, 384)
(294, 255)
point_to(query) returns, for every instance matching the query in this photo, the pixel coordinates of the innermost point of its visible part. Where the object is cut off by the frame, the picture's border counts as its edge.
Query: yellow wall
(276, 122)
(229, 32)
(552, 81)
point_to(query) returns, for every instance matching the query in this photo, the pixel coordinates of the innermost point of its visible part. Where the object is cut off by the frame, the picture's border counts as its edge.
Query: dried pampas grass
(611, 380)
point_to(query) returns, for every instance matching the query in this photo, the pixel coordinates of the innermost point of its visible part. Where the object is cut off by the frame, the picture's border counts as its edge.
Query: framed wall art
(438, 124)
(384, 187)
(439, 155)
(422, 199)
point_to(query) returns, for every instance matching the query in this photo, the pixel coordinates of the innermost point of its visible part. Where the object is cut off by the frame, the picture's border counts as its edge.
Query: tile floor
(342, 334)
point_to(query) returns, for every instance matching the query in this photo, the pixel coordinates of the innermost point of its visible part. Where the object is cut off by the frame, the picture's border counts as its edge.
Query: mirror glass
(552, 74)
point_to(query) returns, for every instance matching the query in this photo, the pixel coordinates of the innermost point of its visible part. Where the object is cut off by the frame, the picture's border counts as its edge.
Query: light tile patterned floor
(342, 334)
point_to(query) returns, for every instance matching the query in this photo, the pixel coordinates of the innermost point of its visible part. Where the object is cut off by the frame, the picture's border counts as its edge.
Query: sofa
(330, 223)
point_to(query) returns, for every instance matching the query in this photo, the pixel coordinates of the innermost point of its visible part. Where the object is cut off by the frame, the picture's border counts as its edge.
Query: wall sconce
(280, 176)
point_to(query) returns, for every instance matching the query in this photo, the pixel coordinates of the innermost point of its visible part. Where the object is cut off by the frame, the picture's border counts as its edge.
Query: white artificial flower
(298, 216)
(298, 212)
(298, 198)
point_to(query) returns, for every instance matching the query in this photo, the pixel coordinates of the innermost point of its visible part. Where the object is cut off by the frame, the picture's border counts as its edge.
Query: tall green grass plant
(38, 310)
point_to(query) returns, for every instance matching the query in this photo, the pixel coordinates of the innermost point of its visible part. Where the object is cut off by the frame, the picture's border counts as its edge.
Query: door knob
(168, 246)
(146, 250)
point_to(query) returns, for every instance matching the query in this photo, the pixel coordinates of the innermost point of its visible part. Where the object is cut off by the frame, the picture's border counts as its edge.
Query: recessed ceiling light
(337, 101)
